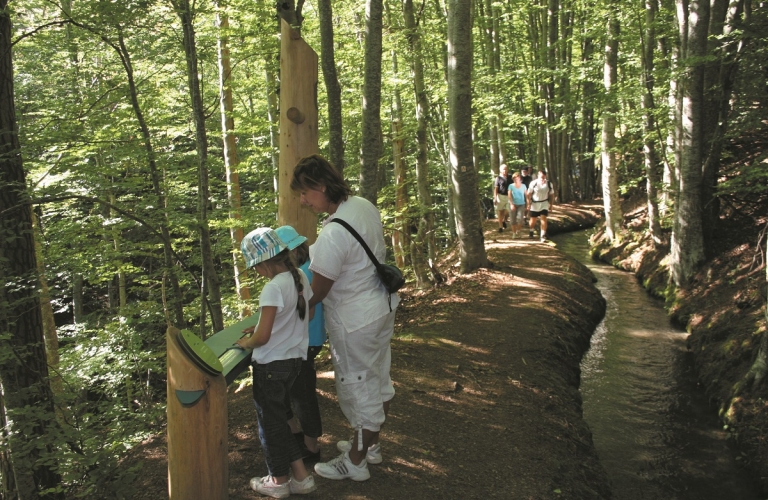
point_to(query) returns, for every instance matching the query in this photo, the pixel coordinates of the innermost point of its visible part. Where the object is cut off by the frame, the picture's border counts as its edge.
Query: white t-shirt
(290, 335)
(357, 297)
(540, 190)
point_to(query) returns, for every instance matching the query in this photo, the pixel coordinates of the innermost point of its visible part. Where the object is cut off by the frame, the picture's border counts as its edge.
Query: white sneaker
(302, 487)
(372, 457)
(342, 467)
(267, 487)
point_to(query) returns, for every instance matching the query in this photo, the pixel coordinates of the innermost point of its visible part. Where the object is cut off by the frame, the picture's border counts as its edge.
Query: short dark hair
(314, 172)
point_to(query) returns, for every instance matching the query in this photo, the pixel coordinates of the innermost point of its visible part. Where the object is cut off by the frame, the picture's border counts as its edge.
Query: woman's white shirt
(357, 297)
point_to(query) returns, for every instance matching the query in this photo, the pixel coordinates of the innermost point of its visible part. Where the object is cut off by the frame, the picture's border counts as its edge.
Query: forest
(139, 141)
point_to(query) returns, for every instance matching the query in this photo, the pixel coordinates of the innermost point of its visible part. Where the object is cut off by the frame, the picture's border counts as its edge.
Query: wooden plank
(298, 126)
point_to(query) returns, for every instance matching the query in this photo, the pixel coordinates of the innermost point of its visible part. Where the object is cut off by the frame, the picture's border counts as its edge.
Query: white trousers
(361, 360)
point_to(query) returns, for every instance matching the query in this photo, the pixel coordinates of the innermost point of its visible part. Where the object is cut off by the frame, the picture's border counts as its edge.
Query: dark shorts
(536, 214)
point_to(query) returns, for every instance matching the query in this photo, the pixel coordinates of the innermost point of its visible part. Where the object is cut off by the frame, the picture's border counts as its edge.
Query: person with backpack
(541, 197)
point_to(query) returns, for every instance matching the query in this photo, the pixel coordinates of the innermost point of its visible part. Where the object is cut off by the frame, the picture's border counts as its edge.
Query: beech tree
(371, 126)
(464, 176)
(687, 245)
(613, 215)
(29, 466)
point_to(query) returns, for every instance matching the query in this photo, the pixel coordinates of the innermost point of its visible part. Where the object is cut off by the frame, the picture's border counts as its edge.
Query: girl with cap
(359, 312)
(279, 344)
(304, 389)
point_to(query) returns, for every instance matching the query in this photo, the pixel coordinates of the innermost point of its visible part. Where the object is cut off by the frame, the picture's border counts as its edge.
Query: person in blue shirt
(517, 202)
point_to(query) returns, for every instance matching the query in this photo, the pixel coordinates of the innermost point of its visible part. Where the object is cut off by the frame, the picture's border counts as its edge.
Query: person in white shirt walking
(541, 198)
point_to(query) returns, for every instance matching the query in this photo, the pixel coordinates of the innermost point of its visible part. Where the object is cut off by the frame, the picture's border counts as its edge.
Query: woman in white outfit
(359, 312)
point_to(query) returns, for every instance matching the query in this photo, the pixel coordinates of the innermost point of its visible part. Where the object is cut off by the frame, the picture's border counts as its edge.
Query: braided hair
(287, 259)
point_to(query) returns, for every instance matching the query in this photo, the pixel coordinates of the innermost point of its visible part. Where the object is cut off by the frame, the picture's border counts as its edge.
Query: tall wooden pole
(298, 125)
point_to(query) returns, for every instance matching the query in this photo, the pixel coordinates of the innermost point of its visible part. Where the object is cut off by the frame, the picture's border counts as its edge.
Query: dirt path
(486, 370)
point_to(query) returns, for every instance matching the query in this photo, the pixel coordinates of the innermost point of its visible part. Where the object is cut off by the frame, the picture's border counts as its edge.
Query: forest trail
(486, 373)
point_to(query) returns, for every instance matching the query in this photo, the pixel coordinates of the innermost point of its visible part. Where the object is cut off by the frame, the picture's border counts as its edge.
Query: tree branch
(40, 201)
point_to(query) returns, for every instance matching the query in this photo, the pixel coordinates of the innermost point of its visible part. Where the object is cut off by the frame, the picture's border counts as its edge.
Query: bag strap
(550, 188)
(368, 251)
(360, 239)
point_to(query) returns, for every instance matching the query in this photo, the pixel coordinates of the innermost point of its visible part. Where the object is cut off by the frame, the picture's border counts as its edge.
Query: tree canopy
(119, 128)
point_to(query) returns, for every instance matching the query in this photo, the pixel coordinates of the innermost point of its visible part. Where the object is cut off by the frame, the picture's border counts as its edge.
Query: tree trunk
(231, 160)
(28, 399)
(371, 129)
(46, 310)
(613, 216)
(154, 174)
(687, 247)
(718, 85)
(469, 226)
(400, 234)
(122, 291)
(332, 87)
(210, 277)
(274, 123)
(587, 139)
(649, 127)
(426, 231)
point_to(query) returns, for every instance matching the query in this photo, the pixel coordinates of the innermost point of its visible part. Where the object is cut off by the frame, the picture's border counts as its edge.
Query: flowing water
(652, 427)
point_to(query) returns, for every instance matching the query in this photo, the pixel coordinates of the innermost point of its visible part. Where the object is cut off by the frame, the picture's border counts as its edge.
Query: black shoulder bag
(391, 277)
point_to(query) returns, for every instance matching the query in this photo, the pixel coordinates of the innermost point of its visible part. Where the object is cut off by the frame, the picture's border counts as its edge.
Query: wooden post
(198, 465)
(298, 125)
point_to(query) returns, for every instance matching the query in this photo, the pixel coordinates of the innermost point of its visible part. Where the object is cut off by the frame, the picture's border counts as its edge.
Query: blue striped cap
(261, 244)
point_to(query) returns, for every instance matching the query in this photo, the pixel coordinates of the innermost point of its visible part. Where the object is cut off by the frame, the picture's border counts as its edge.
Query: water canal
(653, 429)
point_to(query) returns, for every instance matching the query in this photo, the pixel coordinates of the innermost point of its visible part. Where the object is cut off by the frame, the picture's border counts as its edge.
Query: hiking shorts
(518, 214)
(544, 212)
(361, 360)
(503, 203)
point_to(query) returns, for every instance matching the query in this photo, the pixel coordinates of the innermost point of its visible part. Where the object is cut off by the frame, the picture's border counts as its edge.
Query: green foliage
(748, 182)
(114, 380)
(83, 148)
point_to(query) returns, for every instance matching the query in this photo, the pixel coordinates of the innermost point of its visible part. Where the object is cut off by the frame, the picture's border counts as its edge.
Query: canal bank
(486, 370)
(723, 310)
(653, 429)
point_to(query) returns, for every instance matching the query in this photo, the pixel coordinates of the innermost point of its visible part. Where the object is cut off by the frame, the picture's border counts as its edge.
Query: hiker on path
(501, 197)
(525, 177)
(517, 201)
(541, 197)
(359, 312)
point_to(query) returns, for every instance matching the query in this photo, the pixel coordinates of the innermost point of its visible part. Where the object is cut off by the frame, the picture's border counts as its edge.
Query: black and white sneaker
(342, 467)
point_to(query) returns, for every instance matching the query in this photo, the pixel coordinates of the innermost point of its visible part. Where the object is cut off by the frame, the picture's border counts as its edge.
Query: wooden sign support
(198, 465)
(298, 125)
